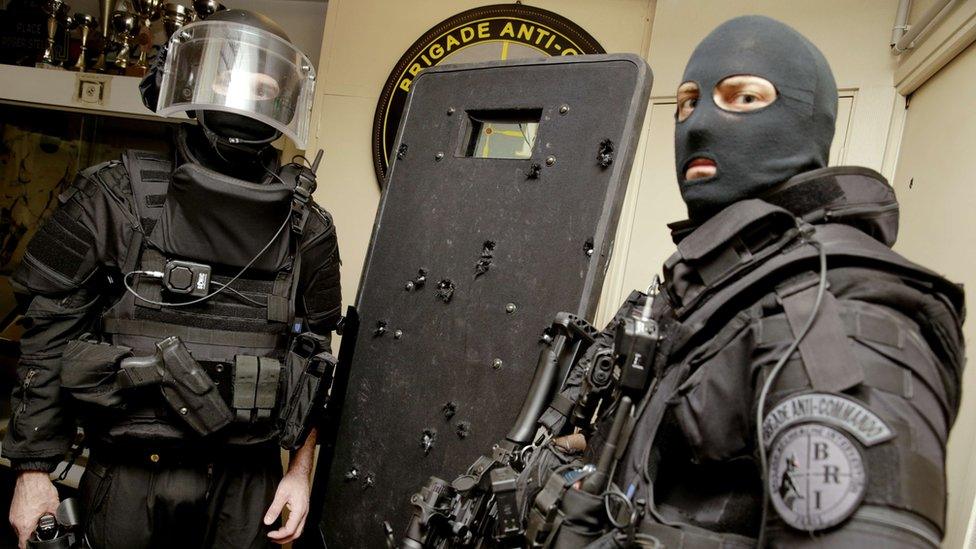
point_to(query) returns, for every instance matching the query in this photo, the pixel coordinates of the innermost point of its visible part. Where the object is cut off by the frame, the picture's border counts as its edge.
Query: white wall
(938, 229)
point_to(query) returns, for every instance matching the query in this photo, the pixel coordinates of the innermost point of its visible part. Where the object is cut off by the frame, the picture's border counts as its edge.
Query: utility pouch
(583, 520)
(89, 372)
(255, 387)
(308, 373)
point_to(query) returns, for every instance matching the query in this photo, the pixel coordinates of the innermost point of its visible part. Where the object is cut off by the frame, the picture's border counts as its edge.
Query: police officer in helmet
(180, 312)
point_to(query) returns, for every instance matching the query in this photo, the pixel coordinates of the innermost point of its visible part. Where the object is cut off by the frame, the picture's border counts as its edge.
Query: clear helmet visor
(230, 67)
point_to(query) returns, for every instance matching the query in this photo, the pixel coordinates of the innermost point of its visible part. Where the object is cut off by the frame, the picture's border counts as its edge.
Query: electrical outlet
(92, 89)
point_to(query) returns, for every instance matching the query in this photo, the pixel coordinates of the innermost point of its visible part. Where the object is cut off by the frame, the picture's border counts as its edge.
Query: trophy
(174, 17)
(84, 23)
(123, 26)
(206, 8)
(146, 11)
(105, 18)
(57, 11)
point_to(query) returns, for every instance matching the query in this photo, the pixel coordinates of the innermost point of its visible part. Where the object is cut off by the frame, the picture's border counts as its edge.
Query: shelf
(94, 93)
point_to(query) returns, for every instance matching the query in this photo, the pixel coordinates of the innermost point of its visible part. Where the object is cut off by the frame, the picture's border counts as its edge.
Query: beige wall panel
(346, 185)
(934, 183)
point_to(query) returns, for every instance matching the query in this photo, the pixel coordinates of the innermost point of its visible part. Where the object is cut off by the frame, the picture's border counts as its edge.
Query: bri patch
(816, 477)
(836, 410)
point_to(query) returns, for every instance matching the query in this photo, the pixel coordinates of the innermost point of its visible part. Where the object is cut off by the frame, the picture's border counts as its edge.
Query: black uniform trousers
(142, 499)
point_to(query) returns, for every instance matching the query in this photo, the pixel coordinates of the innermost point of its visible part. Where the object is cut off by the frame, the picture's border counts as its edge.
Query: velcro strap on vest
(266, 395)
(139, 376)
(922, 490)
(188, 334)
(279, 301)
(734, 238)
(149, 288)
(150, 174)
(826, 352)
(245, 383)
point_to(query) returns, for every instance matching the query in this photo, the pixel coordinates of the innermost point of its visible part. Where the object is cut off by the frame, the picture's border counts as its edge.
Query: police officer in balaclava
(805, 376)
(180, 312)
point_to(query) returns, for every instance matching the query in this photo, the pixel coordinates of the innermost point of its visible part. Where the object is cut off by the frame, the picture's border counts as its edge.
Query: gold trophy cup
(124, 25)
(84, 23)
(146, 11)
(57, 12)
(174, 17)
(105, 20)
(205, 8)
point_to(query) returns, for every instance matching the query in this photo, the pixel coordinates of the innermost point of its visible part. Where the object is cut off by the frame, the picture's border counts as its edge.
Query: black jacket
(857, 419)
(71, 274)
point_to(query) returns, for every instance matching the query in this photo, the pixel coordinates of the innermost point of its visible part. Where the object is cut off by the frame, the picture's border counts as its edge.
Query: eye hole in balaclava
(738, 93)
(752, 149)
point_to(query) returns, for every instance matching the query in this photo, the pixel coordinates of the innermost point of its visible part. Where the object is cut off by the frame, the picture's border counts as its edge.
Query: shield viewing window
(507, 133)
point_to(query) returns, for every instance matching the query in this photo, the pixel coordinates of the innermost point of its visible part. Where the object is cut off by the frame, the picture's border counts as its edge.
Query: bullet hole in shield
(534, 171)
(352, 474)
(605, 155)
(445, 290)
(462, 429)
(588, 247)
(369, 481)
(449, 409)
(418, 282)
(380, 328)
(427, 439)
(484, 262)
(402, 151)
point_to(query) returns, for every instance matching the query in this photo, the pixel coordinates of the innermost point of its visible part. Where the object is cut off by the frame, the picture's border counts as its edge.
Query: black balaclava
(753, 151)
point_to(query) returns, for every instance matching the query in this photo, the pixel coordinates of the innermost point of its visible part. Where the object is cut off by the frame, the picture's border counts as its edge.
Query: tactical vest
(241, 335)
(759, 249)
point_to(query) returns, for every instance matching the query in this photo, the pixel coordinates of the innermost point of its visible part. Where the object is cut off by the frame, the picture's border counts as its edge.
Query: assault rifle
(479, 509)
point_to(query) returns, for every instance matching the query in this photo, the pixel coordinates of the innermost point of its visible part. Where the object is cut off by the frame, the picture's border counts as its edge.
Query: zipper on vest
(25, 386)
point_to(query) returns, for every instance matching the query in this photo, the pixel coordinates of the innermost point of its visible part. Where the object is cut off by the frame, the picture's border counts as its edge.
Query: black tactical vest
(754, 255)
(197, 215)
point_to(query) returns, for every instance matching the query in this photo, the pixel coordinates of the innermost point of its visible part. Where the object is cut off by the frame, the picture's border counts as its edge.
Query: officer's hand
(292, 491)
(571, 444)
(34, 496)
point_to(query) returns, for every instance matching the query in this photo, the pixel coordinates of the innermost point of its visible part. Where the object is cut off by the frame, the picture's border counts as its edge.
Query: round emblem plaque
(485, 33)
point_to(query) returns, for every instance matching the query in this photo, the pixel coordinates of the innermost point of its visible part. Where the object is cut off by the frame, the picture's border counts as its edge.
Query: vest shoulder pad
(64, 252)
